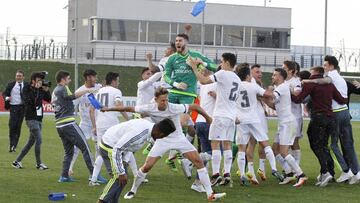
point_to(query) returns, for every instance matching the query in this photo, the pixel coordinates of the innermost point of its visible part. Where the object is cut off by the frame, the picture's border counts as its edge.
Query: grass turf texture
(31, 185)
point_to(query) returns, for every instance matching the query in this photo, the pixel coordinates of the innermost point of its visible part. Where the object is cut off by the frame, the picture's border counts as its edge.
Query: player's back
(296, 109)
(83, 104)
(227, 92)
(283, 102)
(108, 96)
(247, 102)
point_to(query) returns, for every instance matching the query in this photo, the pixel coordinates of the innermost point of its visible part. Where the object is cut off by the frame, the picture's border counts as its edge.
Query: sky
(48, 17)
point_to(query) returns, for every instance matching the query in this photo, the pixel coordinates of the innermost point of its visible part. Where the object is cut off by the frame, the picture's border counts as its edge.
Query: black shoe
(226, 179)
(216, 179)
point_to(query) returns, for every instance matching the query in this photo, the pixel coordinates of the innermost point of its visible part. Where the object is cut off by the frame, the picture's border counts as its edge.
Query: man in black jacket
(14, 102)
(33, 96)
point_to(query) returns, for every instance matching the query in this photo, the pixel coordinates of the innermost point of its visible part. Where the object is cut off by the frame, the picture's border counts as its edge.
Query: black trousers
(15, 121)
(319, 130)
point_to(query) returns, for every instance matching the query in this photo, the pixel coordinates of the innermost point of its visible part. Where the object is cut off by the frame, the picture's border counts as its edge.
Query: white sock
(97, 168)
(216, 161)
(270, 156)
(292, 163)
(241, 162)
(262, 164)
(283, 164)
(205, 180)
(251, 168)
(132, 164)
(190, 138)
(227, 161)
(139, 178)
(297, 155)
(76, 154)
(172, 154)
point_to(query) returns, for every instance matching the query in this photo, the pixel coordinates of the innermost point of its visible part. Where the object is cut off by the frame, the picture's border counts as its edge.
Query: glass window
(195, 33)
(247, 36)
(233, 36)
(218, 35)
(93, 29)
(271, 38)
(142, 31)
(119, 30)
(174, 31)
(158, 32)
(209, 35)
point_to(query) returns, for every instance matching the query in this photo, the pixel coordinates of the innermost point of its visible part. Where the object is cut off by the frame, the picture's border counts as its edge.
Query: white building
(123, 31)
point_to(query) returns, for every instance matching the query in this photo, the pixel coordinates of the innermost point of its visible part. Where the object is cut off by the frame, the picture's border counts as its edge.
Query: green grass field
(33, 186)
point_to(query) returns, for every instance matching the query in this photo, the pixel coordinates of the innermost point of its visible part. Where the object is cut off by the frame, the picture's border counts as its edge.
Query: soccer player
(222, 130)
(286, 122)
(162, 63)
(83, 104)
(70, 133)
(294, 82)
(348, 160)
(176, 141)
(146, 89)
(250, 124)
(109, 96)
(124, 139)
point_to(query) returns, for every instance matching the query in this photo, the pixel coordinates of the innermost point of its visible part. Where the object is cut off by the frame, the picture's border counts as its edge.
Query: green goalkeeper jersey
(177, 70)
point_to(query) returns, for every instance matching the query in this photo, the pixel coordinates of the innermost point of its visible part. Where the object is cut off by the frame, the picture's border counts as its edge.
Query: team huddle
(231, 120)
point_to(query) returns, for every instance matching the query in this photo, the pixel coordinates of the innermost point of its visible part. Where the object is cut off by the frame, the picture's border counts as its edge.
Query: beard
(180, 49)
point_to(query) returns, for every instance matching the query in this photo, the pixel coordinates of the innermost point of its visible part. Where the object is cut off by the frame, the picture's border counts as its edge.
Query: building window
(195, 33)
(159, 32)
(209, 35)
(173, 31)
(93, 29)
(142, 31)
(118, 30)
(233, 36)
(218, 33)
(247, 36)
(270, 38)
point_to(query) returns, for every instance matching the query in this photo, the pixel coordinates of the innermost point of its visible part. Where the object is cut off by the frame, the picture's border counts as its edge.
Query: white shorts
(286, 133)
(244, 131)
(179, 143)
(87, 130)
(222, 129)
(299, 126)
(263, 120)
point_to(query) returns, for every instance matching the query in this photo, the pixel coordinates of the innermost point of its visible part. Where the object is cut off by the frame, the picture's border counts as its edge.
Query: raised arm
(150, 81)
(201, 111)
(119, 108)
(321, 81)
(202, 79)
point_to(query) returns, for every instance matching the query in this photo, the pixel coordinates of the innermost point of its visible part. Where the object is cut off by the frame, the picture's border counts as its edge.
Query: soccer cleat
(216, 196)
(261, 174)
(91, 183)
(129, 195)
(325, 179)
(147, 149)
(345, 176)
(171, 165)
(318, 180)
(42, 166)
(101, 179)
(17, 164)
(215, 179)
(186, 166)
(244, 181)
(278, 176)
(300, 180)
(198, 187)
(226, 180)
(252, 178)
(355, 179)
(288, 178)
(63, 179)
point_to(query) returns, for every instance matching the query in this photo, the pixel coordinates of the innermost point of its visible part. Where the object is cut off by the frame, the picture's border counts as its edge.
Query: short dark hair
(89, 72)
(35, 75)
(20, 71)
(230, 57)
(291, 66)
(243, 72)
(297, 66)
(110, 76)
(61, 74)
(183, 35)
(172, 46)
(239, 66)
(304, 75)
(166, 126)
(332, 60)
(160, 91)
(144, 70)
(282, 72)
(318, 69)
(255, 66)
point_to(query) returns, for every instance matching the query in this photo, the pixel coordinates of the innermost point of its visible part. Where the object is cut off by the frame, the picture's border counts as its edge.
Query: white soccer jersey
(173, 112)
(129, 136)
(283, 103)
(296, 109)
(108, 96)
(84, 105)
(146, 89)
(340, 85)
(162, 63)
(247, 105)
(207, 102)
(227, 92)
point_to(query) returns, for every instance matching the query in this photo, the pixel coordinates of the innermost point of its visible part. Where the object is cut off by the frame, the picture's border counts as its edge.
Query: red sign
(47, 107)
